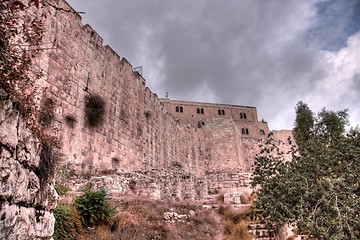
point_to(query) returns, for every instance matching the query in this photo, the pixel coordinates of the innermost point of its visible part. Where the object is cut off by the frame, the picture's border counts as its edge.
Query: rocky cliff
(26, 199)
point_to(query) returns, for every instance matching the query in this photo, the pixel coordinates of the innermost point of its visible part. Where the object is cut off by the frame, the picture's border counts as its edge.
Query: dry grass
(141, 219)
(244, 199)
(235, 223)
(101, 232)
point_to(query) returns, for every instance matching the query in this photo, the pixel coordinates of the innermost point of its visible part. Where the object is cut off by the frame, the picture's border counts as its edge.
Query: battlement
(138, 131)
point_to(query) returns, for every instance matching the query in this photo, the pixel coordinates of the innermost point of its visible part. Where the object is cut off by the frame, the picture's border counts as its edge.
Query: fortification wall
(140, 132)
(137, 133)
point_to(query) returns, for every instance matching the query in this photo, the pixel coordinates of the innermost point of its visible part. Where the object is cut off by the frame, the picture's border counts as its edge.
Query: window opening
(177, 109)
(181, 109)
(262, 132)
(223, 112)
(200, 124)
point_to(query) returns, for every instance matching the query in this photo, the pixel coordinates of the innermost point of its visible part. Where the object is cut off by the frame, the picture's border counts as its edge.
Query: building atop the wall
(199, 113)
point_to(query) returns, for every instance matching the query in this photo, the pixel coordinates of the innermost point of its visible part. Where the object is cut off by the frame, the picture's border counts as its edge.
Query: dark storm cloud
(261, 53)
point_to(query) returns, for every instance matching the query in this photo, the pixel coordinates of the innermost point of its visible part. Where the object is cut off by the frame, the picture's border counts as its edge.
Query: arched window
(202, 111)
(219, 111)
(198, 110)
(181, 109)
(262, 132)
(177, 108)
(244, 115)
(243, 131)
(223, 112)
(247, 131)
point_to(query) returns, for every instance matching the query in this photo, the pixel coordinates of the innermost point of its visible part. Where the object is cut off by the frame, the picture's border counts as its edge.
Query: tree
(318, 190)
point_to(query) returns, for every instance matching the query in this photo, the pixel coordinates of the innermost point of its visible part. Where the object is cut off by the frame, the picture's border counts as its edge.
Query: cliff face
(25, 202)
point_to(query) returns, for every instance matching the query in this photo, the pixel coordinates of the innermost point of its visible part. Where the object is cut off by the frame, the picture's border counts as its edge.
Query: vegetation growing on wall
(70, 121)
(94, 111)
(318, 190)
(21, 33)
(49, 157)
(46, 112)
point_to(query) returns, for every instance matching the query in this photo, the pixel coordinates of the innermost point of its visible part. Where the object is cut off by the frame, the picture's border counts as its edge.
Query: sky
(269, 54)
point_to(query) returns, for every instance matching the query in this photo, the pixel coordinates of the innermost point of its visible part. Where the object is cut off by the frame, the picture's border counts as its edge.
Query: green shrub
(94, 207)
(67, 222)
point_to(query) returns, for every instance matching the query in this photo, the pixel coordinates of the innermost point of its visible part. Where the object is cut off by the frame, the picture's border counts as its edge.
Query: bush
(94, 207)
(67, 222)
(94, 111)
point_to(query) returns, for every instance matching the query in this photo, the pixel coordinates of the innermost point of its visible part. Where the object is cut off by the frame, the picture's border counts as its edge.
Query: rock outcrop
(25, 200)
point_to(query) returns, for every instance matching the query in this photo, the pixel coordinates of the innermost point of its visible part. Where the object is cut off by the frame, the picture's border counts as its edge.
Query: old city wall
(138, 133)
(139, 138)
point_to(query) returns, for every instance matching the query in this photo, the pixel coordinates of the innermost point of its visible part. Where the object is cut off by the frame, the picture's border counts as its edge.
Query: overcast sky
(264, 53)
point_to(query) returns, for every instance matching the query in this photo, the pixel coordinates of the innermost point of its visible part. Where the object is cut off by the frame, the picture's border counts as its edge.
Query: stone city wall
(139, 132)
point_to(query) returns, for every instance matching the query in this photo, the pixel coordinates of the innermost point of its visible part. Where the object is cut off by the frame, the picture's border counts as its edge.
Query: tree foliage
(318, 190)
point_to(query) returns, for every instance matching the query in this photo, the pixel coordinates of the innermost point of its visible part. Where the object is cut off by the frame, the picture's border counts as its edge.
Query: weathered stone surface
(18, 222)
(25, 210)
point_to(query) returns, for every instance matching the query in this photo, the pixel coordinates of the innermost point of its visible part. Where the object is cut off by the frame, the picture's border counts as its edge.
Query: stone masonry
(25, 207)
(172, 149)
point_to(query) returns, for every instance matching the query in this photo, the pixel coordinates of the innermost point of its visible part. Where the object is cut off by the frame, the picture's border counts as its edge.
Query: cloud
(340, 87)
(268, 54)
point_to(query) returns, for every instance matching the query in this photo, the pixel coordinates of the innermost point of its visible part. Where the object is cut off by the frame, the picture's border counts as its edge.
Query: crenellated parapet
(109, 121)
